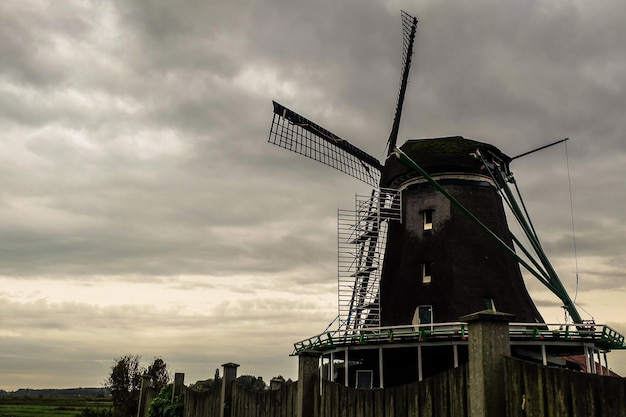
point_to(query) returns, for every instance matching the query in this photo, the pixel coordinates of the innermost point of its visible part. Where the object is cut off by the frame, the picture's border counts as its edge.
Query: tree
(124, 384)
(251, 382)
(207, 384)
(159, 374)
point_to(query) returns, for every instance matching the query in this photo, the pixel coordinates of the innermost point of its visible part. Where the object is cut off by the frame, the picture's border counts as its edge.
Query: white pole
(321, 373)
(345, 367)
(455, 351)
(380, 368)
(592, 355)
(419, 363)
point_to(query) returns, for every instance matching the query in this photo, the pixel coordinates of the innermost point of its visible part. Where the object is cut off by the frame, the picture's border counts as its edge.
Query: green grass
(37, 411)
(49, 406)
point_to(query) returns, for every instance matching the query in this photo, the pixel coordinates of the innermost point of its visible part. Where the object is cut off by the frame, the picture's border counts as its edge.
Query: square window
(364, 379)
(428, 219)
(426, 272)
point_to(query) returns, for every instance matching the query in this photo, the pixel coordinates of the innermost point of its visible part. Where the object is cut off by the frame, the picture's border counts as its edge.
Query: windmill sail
(298, 134)
(409, 25)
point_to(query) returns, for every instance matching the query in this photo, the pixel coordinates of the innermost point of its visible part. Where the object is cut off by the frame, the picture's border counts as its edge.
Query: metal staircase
(362, 235)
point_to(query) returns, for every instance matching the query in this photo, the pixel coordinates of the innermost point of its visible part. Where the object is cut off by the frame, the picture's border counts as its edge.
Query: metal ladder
(362, 239)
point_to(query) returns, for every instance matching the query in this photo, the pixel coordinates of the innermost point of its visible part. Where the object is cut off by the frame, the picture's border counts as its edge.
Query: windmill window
(428, 219)
(364, 379)
(426, 272)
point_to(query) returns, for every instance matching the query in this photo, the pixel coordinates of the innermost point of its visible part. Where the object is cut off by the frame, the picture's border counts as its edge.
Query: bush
(162, 406)
(90, 412)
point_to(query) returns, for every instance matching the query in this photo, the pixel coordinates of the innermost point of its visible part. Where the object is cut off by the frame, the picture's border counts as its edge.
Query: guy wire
(571, 205)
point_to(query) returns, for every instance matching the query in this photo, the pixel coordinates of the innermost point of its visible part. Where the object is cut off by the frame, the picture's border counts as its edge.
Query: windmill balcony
(550, 344)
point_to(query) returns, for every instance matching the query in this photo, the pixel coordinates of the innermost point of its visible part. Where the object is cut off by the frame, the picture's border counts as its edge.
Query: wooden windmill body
(439, 265)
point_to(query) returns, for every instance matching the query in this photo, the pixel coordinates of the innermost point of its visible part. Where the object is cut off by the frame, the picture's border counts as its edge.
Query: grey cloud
(135, 147)
(172, 335)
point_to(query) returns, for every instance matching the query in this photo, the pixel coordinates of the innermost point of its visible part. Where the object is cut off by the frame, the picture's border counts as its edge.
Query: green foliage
(124, 383)
(95, 412)
(252, 382)
(162, 405)
(159, 374)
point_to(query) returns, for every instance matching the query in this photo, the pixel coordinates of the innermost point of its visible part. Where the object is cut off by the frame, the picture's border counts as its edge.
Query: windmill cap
(440, 155)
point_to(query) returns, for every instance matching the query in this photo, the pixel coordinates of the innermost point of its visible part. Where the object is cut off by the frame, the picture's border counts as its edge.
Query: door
(423, 317)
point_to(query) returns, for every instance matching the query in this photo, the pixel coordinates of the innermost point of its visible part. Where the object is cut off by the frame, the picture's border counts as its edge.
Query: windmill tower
(429, 245)
(440, 265)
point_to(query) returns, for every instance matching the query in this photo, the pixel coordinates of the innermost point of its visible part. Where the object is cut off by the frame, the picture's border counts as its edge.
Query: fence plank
(514, 388)
(534, 404)
(582, 395)
(292, 396)
(558, 394)
(389, 402)
(412, 400)
(361, 398)
(612, 402)
(379, 402)
(426, 398)
(401, 401)
(441, 395)
(458, 391)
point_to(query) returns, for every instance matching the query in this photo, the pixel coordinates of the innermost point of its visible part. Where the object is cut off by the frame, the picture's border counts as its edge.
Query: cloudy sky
(142, 210)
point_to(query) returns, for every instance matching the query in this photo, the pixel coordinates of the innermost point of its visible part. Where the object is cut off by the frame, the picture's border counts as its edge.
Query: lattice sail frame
(409, 26)
(362, 239)
(296, 133)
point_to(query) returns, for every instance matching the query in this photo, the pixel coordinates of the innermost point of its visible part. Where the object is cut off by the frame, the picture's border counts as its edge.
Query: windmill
(431, 243)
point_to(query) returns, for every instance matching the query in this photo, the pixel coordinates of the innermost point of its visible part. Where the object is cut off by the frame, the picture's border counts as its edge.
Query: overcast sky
(142, 210)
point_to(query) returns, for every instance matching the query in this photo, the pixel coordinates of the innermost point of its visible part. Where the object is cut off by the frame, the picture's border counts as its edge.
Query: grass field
(50, 406)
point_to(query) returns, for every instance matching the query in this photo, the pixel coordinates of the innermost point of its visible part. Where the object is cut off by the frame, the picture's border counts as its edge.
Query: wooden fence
(147, 395)
(537, 391)
(443, 395)
(273, 403)
(530, 391)
(203, 403)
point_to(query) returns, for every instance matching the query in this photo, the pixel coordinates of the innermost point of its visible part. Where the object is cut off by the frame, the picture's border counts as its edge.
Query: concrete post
(277, 383)
(145, 384)
(488, 344)
(308, 365)
(177, 389)
(230, 374)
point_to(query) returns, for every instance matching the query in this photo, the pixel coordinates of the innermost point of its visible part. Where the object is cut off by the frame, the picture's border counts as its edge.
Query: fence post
(277, 383)
(488, 344)
(179, 379)
(145, 384)
(308, 364)
(230, 374)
